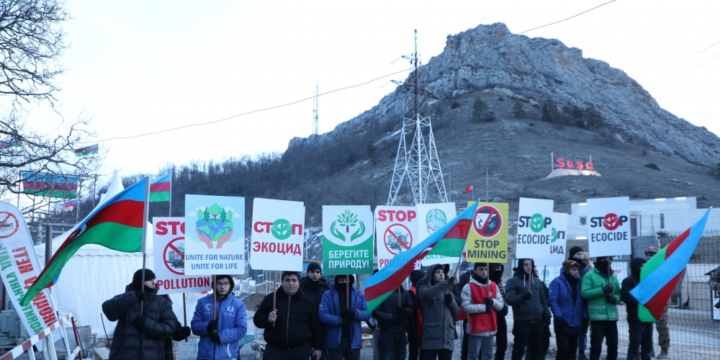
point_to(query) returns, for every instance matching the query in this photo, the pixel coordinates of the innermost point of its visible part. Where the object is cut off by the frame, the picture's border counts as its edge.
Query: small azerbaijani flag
(88, 150)
(160, 188)
(662, 272)
(71, 203)
(14, 142)
(379, 286)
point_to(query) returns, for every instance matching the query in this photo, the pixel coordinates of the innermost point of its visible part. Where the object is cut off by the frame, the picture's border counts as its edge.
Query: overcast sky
(142, 66)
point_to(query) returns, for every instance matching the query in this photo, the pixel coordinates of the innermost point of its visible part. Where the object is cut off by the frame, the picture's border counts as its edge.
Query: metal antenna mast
(417, 163)
(315, 113)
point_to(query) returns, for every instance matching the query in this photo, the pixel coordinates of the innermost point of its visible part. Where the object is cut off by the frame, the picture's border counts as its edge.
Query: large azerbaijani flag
(662, 272)
(381, 285)
(117, 224)
(160, 188)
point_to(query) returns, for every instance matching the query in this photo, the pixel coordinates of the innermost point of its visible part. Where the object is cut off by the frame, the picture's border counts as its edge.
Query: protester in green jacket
(602, 296)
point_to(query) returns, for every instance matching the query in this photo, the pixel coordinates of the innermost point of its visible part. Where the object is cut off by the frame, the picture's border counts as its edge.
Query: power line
(566, 19)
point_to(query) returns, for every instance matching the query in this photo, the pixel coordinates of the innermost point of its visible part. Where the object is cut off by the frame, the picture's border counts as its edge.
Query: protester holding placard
(530, 310)
(602, 295)
(144, 319)
(641, 342)
(439, 310)
(341, 316)
(219, 335)
(577, 254)
(568, 308)
(481, 300)
(292, 328)
(394, 315)
(496, 274)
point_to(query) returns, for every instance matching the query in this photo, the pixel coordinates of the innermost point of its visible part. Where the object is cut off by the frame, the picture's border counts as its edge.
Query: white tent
(95, 274)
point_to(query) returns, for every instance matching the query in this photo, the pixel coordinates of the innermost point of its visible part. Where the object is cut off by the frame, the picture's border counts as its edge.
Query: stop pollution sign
(169, 237)
(397, 231)
(608, 226)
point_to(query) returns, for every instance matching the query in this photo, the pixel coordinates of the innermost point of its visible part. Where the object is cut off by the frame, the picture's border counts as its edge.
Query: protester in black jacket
(641, 342)
(140, 335)
(292, 329)
(180, 334)
(314, 285)
(393, 316)
(415, 324)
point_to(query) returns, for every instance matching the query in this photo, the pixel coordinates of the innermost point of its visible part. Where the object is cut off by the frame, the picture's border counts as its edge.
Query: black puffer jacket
(148, 342)
(297, 321)
(628, 284)
(393, 317)
(314, 289)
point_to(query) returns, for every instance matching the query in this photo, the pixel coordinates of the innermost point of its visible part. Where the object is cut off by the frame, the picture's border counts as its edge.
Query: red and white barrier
(27, 344)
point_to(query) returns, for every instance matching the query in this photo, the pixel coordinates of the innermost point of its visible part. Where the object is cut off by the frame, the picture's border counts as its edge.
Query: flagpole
(172, 172)
(144, 235)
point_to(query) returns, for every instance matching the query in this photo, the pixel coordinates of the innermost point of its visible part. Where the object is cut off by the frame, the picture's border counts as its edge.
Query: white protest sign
(558, 242)
(347, 239)
(431, 217)
(169, 245)
(397, 231)
(609, 226)
(19, 268)
(277, 235)
(215, 234)
(534, 228)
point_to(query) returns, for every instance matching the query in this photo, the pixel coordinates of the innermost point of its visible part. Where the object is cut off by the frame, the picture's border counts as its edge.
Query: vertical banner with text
(558, 242)
(608, 222)
(20, 268)
(347, 239)
(277, 235)
(169, 245)
(397, 232)
(431, 217)
(488, 238)
(534, 228)
(215, 234)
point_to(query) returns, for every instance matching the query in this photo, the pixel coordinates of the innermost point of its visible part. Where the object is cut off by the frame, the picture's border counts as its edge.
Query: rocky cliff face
(490, 58)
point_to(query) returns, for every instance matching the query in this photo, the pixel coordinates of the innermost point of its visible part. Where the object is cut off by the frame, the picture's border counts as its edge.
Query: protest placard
(169, 245)
(277, 235)
(558, 242)
(347, 239)
(608, 222)
(432, 217)
(488, 238)
(534, 228)
(397, 231)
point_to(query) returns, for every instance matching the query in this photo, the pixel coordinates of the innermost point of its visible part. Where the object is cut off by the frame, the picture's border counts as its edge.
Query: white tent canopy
(95, 274)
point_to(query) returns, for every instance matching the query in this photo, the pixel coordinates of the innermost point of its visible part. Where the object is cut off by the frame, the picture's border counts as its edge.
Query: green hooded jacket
(598, 308)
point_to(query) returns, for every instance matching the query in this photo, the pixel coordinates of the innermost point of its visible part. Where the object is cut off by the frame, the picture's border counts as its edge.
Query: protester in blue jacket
(219, 336)
(568, 308)
(343, 329)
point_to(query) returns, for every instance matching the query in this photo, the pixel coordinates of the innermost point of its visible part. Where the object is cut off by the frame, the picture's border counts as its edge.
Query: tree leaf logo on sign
(537, 223)
(487, 221)
(280, 229)
(347, 221)
(397, 239)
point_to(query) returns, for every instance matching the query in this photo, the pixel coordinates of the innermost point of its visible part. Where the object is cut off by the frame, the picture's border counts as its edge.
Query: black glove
(561, 322)
(527, 296)
(450, 280)
(546, 320)
(610, 298)
(139, 321)
(448, 299)
(141, 295)
(488, 304)
(347, 314)
(212, 326)
(181, 333)
(607, 289)
(215, 337)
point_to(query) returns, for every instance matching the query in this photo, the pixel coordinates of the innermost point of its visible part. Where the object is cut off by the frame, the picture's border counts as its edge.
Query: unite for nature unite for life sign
(169, 245)
(534, 228)
(19, 267)
(397, 232)
(558, 242)
(432, 217)
(488, 238)
(215, 233)
(277, 235)
(608, 227)
(347, 239)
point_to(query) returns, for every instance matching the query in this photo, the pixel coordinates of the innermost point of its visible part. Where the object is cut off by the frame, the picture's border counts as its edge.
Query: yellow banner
(488, 238)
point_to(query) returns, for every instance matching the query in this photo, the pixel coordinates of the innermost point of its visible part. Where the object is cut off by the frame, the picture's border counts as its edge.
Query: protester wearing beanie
(140, 334)
(530, 310)
(568, 308)
(343, 322)
(640, 341)
(219, 336)
(601, 290)
(314, 285)
(481, 300)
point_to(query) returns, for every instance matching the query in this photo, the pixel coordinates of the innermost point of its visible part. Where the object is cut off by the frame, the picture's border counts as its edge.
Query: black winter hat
(137, 277)
(352, 279)
(416, 276)
(574, 250)
(314, 266)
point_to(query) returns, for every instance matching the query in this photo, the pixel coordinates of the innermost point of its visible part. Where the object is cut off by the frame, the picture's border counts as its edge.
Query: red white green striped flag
(88, 150)
(160, 188)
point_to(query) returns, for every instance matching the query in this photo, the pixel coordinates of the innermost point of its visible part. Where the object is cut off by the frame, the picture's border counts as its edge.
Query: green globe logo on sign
(281, 229)
(537, 223)
(435, 219)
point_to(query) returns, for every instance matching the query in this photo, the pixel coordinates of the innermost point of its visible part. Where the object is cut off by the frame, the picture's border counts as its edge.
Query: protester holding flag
(439, 310)
(481, 300)
(219, 335)
(292, 328)
(496, 274)
(342, 322)
(641, 342)
(662, 326)
(568, 308)
(393, 317)
(530, 310)
(145, 320)
(602, 295)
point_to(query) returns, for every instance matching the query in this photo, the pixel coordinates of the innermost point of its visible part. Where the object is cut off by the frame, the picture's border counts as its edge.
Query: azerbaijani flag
(71, 203)
(160, 188)
(88, 150)
(381, 285)
(117, 224)
(662, 272)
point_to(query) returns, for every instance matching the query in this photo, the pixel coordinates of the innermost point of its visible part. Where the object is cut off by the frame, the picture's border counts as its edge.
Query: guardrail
(47, 332)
